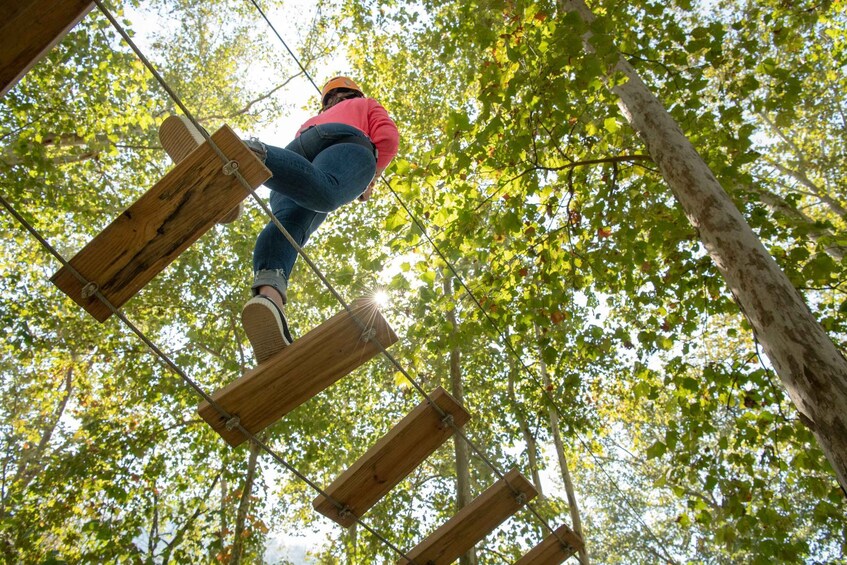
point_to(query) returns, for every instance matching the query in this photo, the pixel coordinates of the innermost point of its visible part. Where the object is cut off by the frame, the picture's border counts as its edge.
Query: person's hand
(366, 195)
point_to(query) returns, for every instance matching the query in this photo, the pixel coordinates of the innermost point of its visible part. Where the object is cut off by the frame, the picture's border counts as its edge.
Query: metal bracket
(230, 168)
(90, 289)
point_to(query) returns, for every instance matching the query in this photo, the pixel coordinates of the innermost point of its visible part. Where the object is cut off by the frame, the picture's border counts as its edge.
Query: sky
(300, 95)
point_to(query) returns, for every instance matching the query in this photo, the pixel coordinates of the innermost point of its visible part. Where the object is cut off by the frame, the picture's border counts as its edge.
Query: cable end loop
(447, 421)
(232, 423)
(230, 168)
(90, 290)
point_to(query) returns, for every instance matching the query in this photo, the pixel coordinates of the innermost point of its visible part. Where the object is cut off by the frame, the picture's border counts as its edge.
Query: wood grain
(473, 522)
(162, 224)
(551, 551)
(392, 458)
(29, 29)
(300, 371)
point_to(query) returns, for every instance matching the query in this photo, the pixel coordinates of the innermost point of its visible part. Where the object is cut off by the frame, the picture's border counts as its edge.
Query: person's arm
(383, 132)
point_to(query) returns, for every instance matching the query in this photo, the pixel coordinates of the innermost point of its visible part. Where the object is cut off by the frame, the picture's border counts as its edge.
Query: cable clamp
(345, 513)
(230, 168)
(520, 498)
(232, 423)
(447, 421)
(90, 289)
(369, 334)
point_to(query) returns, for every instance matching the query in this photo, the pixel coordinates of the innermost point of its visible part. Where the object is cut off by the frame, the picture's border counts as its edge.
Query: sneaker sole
(264, 327)
(180, 137)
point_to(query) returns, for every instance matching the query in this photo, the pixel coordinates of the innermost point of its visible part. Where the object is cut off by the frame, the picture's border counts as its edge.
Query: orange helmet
(339, 82)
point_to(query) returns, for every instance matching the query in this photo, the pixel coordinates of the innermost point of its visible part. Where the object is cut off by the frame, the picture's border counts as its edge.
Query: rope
(91, 288)
(284, 44)
(232, 422)
(388, 355)
(547, 396)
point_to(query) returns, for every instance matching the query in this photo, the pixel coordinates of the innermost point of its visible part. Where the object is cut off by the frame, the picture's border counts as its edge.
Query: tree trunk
(244, 506)
(811, 368)
(526, 431)
(463, 474)
(576, 521)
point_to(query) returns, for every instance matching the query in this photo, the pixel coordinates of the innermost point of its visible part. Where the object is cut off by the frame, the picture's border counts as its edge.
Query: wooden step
(300, 371)
(551, 551)
(163, 223)
(391, 459)
(473, 522)
(29, 29)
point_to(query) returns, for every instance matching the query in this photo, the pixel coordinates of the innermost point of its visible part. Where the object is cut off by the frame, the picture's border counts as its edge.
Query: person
(336, 157)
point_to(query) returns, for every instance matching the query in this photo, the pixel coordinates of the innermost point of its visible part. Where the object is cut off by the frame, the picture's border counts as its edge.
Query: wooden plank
(163, 223)
(391, 459)
(473, 522)
(29, 29)
(300, 371)
(551, 551)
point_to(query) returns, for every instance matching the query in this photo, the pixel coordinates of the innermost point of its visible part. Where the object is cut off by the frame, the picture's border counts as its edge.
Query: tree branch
(251, 103)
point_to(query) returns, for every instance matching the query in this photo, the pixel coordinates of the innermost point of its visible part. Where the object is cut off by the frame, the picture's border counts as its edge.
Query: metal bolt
(90, 289)
(447, 421)
(230, 168)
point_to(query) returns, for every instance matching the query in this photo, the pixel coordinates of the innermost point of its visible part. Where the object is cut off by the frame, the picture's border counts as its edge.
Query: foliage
(517, 163)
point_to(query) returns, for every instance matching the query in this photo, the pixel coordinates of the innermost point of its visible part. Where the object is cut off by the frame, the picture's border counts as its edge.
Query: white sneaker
(266, 327)
(180, 137)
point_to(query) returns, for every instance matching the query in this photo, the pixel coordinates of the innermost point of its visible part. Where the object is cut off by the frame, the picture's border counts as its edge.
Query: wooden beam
(300, 371)
(474, 521)
(163, 223)
(551, 551)
(29, 29)
(391, 459)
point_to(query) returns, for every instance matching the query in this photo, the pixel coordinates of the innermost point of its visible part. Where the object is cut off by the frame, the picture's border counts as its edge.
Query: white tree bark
(460, 448)
(812, 369)
(576, 520)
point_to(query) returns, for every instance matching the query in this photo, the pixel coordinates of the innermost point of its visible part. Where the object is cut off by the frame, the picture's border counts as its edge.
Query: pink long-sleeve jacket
(367, 115)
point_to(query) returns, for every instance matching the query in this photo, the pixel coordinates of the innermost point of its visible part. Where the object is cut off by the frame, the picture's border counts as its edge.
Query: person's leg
(314, 175)
(263, 316)
(274, 256)
(317, 172)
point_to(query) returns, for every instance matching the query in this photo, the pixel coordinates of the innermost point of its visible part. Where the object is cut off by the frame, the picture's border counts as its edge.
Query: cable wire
(547, 396)
(390, 357)
(232, 421)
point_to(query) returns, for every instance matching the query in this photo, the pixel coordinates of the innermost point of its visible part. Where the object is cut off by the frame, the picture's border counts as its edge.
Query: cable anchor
(90, 289)
(369, 334)
(230, 168)
(232, 423)
(447, 421)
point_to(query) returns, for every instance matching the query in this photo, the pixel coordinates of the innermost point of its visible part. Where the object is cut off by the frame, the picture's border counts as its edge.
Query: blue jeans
(312, 176)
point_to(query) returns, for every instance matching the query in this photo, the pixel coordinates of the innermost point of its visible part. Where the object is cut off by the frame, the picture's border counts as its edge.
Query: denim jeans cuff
(271, 277)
